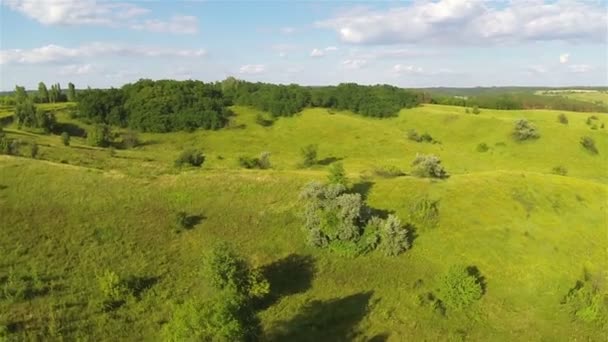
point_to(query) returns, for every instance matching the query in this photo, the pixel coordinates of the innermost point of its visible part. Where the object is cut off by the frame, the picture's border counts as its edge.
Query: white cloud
(354, 63)
(100, 13)
(564, 57)
(76, 69)
(252, 69)
(287, 30)
(180, 24)
(59, 54)
(579, 68)
(317, 53)
(282, 54)
(476, 22)
(537, 69)
(408, 69)
(331, 48)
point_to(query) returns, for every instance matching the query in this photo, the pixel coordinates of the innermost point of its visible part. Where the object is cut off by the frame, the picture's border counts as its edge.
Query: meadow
(75, 211)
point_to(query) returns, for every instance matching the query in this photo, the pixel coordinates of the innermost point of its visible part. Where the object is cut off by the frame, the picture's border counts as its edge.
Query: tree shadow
(379, 337)
(138, 285)
(193, 220)
(474, 272)
(147, 143)
(331, 320)
(412, 234)
(290, 275)
(3, 187)
(70, 128)
(328, 160)
(363, 188)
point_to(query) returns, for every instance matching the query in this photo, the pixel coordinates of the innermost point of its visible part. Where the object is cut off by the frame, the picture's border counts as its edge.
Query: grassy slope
(529, 232)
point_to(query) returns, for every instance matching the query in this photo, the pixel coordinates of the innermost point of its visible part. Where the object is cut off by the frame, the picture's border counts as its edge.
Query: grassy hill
(532, 234)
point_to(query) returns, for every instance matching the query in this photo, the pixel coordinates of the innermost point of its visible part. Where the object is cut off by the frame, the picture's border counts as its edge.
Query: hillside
(79, 210)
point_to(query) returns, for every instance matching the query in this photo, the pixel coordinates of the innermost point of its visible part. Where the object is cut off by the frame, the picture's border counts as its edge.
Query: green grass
(532, 234)
(598, 97)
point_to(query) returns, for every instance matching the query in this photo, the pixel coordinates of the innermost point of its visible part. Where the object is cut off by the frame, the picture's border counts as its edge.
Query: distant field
(597, 97)
(531, 233)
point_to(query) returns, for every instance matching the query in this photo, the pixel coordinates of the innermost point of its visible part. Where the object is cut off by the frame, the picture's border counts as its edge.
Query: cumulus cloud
(331, 48)
(317, 53)
(287, 30)
(579, 68)
(76, 69)
(252, 69)
(564, 57)
(180, 24)
(59, 54)
(475, 22)
(354, 63)
(408, 69)
(99, 13)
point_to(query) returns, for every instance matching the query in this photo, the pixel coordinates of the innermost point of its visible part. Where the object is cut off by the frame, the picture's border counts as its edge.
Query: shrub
(309, 155)
(113, 290)
(476, 110)
(130, 139)
(99, 136)
(263, 162)
(65, 138)
(459, 288)
(34, 150)
(482, 147)
(337, 175)
(524, 130)
(589, 144)
(112, 152)
(262, 121)
(191, 157)
(466, 110)
(413, 135)
(388, 171)
(562, 118)
(425, 212)
(394, 238)
(560, 170)
(425, 137)
(586, 301)
(428, 166)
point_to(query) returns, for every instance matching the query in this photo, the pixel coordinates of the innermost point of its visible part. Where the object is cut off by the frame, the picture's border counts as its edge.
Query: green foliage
(25, 112)
(45, 120)
(388, 171)
(43, 93)
(224, 318)
(8, 146)
(589, 144)
(337, 175)
(425, 212)
(71, 96)
(482, 147)
(560, 170)
(394, 238)
(459, 289)
(99, 135)
(130, 139)
(587, 301)
(262, 121)
(65, 139)
(524, 130)
(562, 118)
(476, 110)
(113, 290)
(428, 166)
(262, 162)
(309, 155)
(190, 157)
(34, 150)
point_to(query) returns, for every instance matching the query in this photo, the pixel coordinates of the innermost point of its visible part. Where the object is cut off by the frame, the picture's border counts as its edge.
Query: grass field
(78, 211)
(598, 97)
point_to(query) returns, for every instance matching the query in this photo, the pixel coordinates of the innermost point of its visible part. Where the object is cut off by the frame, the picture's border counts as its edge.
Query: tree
(589, 144)
(428, 166)
(20, 95)
(34, 150)
(337, 175)
(99, 136)
(71, 92)
(476, 110)
(43, 93)
(460, 287)
(191, 157)
(25, 111)
(45, 120)
(562, 118)
(394, 238)
(524, 130)
(309, 155)
(65, 138)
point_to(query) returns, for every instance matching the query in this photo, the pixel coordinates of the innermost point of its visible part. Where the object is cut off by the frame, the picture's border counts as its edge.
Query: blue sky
(405, 43)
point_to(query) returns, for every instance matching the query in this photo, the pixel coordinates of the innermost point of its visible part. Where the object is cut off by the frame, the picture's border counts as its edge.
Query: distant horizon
(415, 44)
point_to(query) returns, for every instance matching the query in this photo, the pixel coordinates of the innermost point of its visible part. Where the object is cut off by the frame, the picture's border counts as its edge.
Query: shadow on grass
(331, 320)
(290, 275)
(474, 272)
(192, 221)
(70, 128)
(363, 188)
(328, 160)
(3, 187)
(138, 285)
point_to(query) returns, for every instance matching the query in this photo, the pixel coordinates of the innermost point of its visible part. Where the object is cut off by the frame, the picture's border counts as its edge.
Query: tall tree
(71, 92)
(43, 93)
(20, 94)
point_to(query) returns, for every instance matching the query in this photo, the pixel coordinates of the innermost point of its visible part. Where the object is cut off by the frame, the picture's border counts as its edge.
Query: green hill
(532, 234)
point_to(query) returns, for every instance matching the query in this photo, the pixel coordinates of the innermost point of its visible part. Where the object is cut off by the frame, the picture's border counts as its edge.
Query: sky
(453, 43)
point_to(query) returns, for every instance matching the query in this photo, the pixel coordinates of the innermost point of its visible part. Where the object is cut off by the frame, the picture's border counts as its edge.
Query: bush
(482, 147)
(524, 130)
(263, 162)
(65, 138)
(459, 288)
(414, 136)
(476, 110)
(388, 171)
(34, 150)
(394, 238)
(113, 290)
(562, 118)
(560, 170)
(130, 139)
(425, 212)
(337, 175)
(466, 110)
(191, 157)
(262, 121)
(589, 144)
(99, 136)
(309, 155)
(586, 301)
(428, 166)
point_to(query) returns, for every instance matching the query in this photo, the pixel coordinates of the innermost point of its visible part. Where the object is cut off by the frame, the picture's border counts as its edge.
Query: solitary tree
(43, 93)
(309, 155)
(71, 92)
(337, 175)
